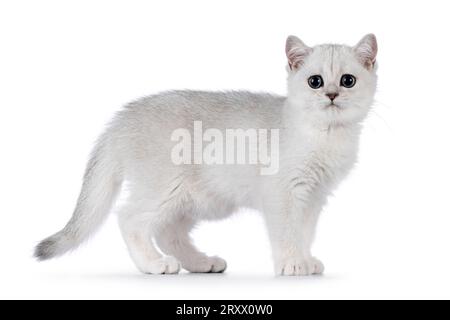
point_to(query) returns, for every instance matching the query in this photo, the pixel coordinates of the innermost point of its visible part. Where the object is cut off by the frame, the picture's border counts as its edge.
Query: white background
(67, 66)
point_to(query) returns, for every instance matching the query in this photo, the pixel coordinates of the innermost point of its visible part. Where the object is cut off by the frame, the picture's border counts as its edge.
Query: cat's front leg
(291, 226)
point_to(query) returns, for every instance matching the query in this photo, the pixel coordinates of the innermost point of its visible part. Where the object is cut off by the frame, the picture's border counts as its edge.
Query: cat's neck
(295, 120)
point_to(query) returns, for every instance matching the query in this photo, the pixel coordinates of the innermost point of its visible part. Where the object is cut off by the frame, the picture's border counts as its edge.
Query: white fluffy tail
(101, 184)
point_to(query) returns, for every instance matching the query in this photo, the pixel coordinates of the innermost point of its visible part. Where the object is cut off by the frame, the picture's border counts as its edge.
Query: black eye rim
(316, 76)
(353, 81)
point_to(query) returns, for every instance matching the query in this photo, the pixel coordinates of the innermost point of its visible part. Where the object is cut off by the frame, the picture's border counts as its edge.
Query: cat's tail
(101, 184)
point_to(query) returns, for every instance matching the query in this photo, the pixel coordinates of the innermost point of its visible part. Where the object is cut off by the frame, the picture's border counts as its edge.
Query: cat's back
(216, 109)
(143, 132)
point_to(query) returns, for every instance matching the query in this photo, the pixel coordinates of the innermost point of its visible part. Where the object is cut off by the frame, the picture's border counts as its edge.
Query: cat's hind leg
(174, 240)
(138, 228)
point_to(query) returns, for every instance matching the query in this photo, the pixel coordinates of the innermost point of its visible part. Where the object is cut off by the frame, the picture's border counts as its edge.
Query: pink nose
(332, 95)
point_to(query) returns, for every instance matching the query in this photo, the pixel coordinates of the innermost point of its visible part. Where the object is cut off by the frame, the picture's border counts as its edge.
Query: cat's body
(318, 146)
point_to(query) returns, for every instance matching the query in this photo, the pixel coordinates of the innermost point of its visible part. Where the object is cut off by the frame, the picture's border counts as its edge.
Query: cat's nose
(332, 95)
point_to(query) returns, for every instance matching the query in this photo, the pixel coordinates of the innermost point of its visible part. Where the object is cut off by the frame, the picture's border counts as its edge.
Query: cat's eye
(315, 82)
(348, 81)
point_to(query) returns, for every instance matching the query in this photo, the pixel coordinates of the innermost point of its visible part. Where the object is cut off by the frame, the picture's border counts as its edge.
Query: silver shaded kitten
(330, 91)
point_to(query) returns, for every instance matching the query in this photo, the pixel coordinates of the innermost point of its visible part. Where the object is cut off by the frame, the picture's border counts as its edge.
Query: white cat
(330, 91)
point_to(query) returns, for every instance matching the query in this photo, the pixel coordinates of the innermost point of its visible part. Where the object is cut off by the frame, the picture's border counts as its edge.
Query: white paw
(164, 265)
(300, 267)
(206, 265)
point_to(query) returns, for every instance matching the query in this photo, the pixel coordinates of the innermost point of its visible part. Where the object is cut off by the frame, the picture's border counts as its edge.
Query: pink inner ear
(367, 51)
(296, 57)
(368, 61)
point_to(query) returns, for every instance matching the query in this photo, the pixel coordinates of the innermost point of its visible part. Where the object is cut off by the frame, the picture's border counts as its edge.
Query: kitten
(330, 91)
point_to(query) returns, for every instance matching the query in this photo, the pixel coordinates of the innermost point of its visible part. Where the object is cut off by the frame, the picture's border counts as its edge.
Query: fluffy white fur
(318, 146)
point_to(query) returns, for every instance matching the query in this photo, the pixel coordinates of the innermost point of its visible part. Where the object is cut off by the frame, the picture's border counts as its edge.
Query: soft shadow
(206, 278)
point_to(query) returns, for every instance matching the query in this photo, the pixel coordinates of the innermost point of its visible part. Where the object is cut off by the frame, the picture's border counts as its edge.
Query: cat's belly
(210, 192)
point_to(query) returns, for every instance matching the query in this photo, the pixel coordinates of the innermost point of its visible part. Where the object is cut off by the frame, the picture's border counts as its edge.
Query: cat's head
(332, 84)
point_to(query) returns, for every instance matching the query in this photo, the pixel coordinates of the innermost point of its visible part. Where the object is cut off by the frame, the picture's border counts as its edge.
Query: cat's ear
(296, 52)
(366, 51)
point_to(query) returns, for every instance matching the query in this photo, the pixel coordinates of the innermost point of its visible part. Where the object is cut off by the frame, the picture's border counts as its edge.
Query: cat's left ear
(366, 51)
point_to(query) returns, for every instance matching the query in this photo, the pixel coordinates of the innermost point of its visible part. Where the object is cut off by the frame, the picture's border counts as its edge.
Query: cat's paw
(164, 265)
(206, 265)
(300, 267)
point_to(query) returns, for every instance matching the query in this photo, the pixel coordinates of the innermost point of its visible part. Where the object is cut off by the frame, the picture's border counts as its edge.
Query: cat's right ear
(296, 52)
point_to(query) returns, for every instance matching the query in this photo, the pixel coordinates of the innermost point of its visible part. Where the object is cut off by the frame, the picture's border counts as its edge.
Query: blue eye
(315, 82)
(348, 81)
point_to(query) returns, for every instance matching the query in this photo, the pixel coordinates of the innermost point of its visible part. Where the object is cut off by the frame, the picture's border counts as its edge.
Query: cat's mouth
(333, 105)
